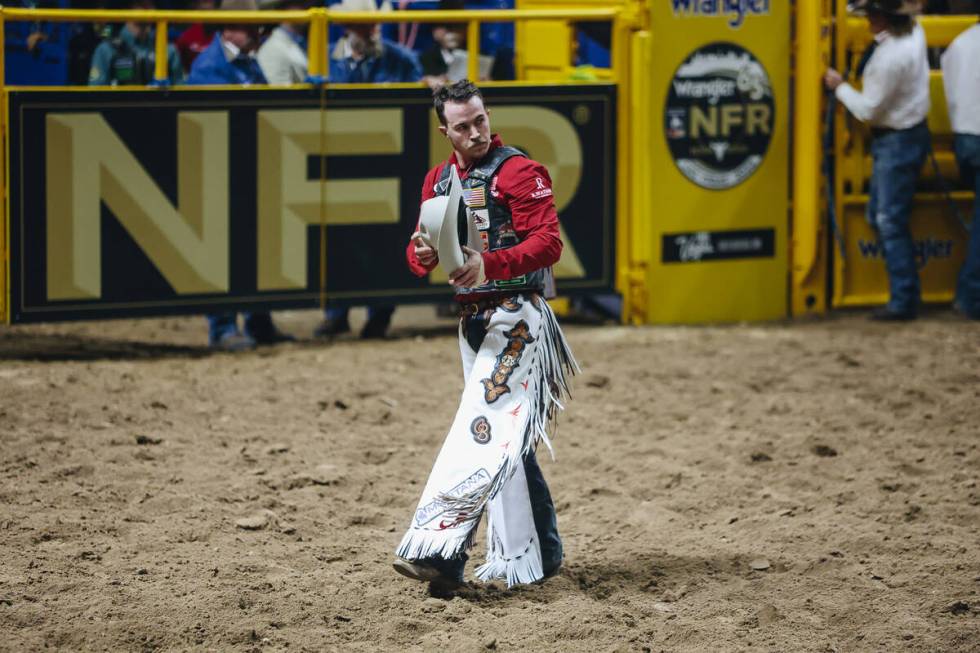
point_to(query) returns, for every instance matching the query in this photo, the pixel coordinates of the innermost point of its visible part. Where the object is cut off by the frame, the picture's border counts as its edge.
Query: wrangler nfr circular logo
(719, 115)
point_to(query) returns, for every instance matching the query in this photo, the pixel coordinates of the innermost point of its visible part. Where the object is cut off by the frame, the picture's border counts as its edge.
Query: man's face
(140, 30)
(449, 37)
(364, 38)
(467, 128)
(243, 37)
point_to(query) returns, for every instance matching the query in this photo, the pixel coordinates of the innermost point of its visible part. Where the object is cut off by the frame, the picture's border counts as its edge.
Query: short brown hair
(898, 24)
(460, 91)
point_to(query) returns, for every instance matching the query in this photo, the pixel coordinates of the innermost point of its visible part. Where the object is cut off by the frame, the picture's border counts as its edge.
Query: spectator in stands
(230, 59)
(961, 76)
(128, 58)
(362, 56)
(895, 102)
(283, 55)
(446, 60)
(196, 38)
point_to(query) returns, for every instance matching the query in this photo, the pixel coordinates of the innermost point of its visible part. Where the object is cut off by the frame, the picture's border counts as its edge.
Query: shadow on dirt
(20, 346)
(664, 577)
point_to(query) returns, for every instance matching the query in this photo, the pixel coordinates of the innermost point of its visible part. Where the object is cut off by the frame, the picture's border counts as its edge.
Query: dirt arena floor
(803, 487)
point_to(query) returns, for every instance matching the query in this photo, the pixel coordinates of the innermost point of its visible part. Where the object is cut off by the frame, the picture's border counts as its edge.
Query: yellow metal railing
(318, 20)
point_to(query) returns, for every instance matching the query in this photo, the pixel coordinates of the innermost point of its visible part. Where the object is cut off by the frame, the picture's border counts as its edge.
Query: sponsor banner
(190, 201)
(939, 246)
(719, 180)
(719, 116)
(734, 11)
(699, 246)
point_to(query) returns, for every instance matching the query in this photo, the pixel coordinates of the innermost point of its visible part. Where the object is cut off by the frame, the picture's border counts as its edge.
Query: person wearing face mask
(128, 58)
(516, 362)
(363, 56)
(230, 59)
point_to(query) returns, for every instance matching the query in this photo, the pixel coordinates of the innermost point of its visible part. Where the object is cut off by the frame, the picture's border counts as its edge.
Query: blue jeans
(545, 523)
(967, 147)
(898, 157)
(222, 324)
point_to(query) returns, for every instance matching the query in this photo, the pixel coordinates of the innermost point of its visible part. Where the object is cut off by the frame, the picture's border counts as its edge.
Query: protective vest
(493, 220)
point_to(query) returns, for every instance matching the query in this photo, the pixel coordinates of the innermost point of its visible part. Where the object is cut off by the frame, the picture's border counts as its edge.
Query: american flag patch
(475, 196)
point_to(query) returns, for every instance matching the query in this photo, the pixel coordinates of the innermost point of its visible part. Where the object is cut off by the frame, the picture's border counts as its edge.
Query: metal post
(316, 47)
(473, 50)
(161, 72)
(324, 51)
(806, 235)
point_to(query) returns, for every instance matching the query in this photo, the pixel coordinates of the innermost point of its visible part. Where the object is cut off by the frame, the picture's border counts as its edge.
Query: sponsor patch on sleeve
(541, 190)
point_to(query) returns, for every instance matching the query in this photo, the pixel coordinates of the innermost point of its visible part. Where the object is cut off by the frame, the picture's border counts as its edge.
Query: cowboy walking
(515, 358)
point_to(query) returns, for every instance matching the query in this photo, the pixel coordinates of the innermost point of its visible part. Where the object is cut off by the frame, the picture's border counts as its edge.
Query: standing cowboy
(961, 76)
(894, 102)
(515, 358)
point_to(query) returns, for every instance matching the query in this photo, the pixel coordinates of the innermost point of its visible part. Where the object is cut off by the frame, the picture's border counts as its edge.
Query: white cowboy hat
(438, 226)
(894, 7)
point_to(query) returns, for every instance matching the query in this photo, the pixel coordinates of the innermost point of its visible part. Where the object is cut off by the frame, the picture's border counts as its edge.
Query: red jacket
(523, 187)
(193, 41)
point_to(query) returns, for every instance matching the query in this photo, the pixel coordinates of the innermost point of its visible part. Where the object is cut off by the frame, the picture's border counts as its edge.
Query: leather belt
(487, 303)
(878, 132)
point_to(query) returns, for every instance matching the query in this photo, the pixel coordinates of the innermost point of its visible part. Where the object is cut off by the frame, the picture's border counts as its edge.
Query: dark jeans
(967, 147)
(545, 523)
(221, 324)
(898, 157)
(381, 314)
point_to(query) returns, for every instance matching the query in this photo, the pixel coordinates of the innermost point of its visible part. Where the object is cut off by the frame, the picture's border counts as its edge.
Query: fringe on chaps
(515, 385)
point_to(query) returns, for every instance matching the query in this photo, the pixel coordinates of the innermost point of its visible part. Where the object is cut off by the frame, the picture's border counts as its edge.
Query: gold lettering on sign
(288, 201)
(87, 163)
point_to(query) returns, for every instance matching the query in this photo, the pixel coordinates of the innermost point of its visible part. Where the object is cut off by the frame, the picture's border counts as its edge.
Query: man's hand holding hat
(471, 274)
(424, 251)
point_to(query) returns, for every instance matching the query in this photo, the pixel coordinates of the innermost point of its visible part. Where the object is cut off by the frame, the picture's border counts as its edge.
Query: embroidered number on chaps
(517, 339)
(480, 428)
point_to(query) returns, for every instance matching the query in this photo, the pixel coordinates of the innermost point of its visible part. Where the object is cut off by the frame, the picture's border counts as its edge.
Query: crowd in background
(81, 53)
(124, 54)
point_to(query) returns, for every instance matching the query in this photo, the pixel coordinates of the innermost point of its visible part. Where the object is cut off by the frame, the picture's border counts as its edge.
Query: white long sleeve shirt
(961, 77)
(281, 58)
(896, 83)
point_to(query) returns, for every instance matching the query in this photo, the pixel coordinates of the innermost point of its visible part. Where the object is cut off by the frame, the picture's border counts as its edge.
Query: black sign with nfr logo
(719, 116)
